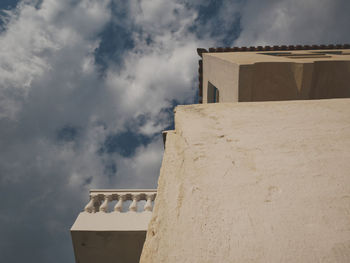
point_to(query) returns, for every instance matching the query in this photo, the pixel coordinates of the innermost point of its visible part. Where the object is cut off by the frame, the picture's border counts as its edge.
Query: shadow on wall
(295, 81)
(213, 93)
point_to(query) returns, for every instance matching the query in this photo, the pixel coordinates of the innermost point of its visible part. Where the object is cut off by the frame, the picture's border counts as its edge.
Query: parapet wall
(254, 182)
(262, 76)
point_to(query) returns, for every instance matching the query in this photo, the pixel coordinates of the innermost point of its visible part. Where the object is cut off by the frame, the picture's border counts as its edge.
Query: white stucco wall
(253, 76)
(254, 182)
(109, 237)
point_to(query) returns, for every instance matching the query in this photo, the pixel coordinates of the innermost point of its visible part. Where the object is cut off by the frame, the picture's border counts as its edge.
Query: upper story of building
(274, 73)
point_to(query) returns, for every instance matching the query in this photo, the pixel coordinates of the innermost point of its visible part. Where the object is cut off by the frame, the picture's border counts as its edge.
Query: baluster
(133, 206)
(148, 205)
(119, 206)
(90, 207)
(104, 206)
(97, 204)
(100, 201)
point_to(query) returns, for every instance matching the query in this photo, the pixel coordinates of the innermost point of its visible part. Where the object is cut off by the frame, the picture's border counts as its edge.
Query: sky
(87, 86)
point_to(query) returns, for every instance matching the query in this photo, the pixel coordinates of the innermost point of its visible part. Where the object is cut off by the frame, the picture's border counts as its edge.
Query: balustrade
(101, 198)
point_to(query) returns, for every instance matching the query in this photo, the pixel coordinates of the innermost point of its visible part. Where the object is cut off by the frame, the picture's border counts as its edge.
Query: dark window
(329, 52)
(282, 54)
(297, 55)
(213, 93)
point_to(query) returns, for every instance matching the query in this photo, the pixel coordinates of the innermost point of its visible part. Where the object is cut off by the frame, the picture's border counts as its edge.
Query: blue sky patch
(116, 38)
(124, 143)
(67, 133)
(8, 4)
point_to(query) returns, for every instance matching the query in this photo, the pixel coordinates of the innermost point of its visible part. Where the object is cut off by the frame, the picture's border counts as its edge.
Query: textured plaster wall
(254, 182)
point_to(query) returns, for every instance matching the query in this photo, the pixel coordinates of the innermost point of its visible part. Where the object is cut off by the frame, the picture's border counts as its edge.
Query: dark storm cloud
(87, 86)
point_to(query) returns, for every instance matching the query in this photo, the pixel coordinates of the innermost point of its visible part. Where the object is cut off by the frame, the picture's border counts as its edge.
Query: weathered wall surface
(254, 182)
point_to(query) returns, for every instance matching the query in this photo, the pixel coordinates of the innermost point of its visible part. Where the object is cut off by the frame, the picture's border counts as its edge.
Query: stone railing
(100, 200)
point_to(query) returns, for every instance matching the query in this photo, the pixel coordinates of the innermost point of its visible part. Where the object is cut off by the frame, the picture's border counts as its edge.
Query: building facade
(261, 176)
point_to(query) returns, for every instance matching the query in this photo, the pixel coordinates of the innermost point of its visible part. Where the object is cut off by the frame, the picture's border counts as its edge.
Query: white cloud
(35, 37)
(294, 22)
(143, 167)
(49, 81)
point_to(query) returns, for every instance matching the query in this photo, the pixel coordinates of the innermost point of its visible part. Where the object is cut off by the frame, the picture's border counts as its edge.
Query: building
(262, 177)
(294, 73)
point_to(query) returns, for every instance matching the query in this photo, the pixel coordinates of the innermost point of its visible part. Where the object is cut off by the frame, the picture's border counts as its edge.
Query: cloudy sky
(87, 86)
